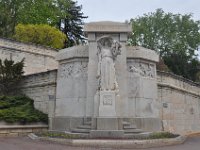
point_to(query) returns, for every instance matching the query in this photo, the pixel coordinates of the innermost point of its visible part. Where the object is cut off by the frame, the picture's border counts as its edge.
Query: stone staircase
(130, 130)
(84, 128)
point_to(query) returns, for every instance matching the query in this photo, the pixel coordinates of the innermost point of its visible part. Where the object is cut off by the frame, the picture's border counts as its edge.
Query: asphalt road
(25, 143)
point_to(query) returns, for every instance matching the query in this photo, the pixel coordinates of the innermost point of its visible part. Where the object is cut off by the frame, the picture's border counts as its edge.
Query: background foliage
(40, 34)
(65, 15)
(175, 37)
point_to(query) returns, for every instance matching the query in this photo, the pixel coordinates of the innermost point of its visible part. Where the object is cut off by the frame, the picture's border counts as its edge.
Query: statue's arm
(99, 62)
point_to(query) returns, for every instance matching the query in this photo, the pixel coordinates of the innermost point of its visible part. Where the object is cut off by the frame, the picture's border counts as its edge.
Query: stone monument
(106, 88)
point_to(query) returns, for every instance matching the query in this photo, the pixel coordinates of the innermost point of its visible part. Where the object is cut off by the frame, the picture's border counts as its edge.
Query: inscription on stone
(107, 100)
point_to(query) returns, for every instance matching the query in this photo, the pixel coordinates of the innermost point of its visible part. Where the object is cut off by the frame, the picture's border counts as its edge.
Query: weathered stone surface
(42, 89)
(107, 26)
(73, 52)
(107, 134)
(71, 88)
(138, 52)
(107, 104)
(149, 99)
(109, 123)
(37, 58)
(180, 104)
(20, 130)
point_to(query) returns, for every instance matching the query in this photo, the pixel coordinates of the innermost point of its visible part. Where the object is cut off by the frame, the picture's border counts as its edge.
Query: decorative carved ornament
(142, 69)
(74, 70)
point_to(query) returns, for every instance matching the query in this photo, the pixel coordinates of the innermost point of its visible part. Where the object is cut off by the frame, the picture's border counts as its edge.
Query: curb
(119, 143)
(193, 134)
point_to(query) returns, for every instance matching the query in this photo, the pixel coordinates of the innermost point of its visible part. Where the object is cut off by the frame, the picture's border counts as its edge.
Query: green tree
(9, 10)
(38, 12)
(71, 21)
(175, 37)
(63, 14)
(13, 12)
(10, 74)
(40, 34)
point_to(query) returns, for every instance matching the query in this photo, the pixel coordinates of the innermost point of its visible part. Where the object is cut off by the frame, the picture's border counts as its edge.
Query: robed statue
(108, 49)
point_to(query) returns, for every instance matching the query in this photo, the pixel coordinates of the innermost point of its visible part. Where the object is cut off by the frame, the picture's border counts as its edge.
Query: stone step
(133, 131)
(87, 123)
(77, 130)
(82, 135)
(84, 127)
(129, 127)
(125, 123)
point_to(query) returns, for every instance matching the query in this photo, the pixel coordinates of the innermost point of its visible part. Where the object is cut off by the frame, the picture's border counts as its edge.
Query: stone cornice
(107, 26)
(27, 48)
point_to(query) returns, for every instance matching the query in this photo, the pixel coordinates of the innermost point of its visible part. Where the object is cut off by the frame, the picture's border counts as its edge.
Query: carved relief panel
(141, 69)
(137, 71)
(74, 70)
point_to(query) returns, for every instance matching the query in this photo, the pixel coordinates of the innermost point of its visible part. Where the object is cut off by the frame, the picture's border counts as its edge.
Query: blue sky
(121, 10)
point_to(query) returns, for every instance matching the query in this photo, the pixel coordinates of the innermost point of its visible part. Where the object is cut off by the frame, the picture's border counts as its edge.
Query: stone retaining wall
(37, 58)
(179, 100)
(41, 88)
(21, 130)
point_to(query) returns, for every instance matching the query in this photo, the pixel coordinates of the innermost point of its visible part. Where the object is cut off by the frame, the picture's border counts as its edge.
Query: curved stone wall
(152, 95)
(37, 58)
(179, 101)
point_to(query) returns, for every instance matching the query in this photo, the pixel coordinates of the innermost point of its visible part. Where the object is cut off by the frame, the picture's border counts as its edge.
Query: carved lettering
(107, 100)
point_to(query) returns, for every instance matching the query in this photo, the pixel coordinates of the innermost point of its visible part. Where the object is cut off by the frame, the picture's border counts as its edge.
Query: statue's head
(105, 41)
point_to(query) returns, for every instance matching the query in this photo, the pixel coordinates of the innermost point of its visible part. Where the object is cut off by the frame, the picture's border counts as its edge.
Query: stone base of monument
(108, 123)
(107, 134)
(107, 103)
(113, 128)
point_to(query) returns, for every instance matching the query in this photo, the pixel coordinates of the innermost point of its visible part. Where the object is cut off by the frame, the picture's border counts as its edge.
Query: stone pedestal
(108, 127)
(107, 134)
(107, 104)
(109, 123)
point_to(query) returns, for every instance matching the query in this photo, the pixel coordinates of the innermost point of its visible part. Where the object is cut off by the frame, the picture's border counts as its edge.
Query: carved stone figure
(141, 69)
(108, 49)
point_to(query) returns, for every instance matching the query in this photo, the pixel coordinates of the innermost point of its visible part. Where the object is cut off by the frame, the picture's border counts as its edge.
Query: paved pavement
(25, 143)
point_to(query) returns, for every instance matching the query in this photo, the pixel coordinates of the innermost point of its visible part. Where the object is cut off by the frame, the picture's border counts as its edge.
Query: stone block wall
(15, 130)
(179, 101)
(41, 88)
(37, 58)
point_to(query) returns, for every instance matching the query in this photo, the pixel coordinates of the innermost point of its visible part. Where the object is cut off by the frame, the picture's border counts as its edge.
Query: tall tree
(63, 14)
(9, 10)
(175, 37)
(71, 21)
(38, 12)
